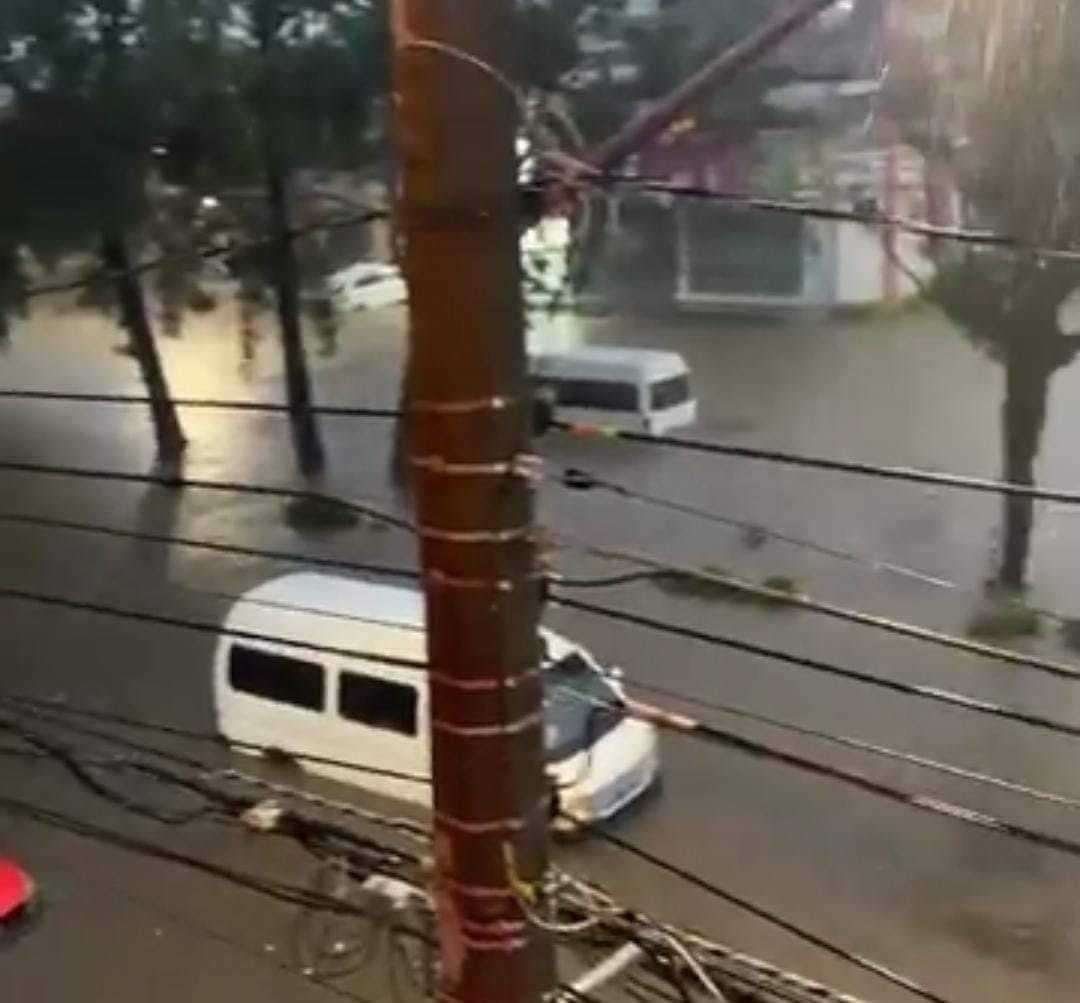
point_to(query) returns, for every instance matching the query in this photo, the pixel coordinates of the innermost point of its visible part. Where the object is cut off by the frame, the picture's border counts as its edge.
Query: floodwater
(972, 914)
(962, 114)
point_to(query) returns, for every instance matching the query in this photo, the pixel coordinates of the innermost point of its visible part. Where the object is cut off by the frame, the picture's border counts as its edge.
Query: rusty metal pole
(468, 450)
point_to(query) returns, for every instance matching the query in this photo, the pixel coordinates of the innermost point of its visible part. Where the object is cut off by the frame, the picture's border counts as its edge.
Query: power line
(786, 597)
(287, 894)
(758, 534)
(933, 694)
(289, 823)
(278, 789)
(80, 769)
(742, 200)
(767, 915)
(61, 714)
(930, 693)
(921, 802)
(615, 922)
(412, 575)
(909, 474)
(1056, 668)
(174, 731)
(852, 743)
(859, 745)
(172, 540)
(238, 487)
(198, 403)
(158, 619)
(206, 254)
(54, 707)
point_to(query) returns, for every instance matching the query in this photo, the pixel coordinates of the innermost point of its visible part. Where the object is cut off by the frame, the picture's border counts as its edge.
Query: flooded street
(857, 222)
(973, 915)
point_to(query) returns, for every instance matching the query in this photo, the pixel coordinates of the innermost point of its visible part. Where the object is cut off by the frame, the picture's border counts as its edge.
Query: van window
(277, 677)
(377, 703)
(669, 393)
(604, 395)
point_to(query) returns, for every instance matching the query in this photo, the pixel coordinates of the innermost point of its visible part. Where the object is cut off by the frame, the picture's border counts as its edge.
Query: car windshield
(670, 393)
(574, 712)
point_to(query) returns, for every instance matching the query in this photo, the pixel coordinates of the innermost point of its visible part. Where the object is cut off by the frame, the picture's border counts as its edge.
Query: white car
(367, 285)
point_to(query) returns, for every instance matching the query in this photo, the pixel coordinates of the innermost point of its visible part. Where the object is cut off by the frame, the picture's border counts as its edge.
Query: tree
(75, 154)
(305, 74)
(1010, 86)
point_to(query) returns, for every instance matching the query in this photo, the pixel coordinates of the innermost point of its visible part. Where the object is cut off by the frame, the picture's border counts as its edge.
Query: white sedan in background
(367, 285)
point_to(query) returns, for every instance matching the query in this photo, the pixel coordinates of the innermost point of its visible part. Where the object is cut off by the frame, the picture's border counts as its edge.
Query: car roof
(284, 607)
(339, 596)
(16, 887)
(594, 358)
(363, 269)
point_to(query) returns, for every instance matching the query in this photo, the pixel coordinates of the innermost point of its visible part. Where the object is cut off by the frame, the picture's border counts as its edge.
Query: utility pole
(468, 452)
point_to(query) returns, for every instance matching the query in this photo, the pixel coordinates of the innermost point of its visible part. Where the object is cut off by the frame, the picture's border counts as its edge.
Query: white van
(336, 707)
(627, 388)
(366, 285)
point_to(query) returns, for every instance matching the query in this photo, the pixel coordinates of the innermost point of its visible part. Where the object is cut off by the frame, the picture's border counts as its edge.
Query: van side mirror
(616, 672)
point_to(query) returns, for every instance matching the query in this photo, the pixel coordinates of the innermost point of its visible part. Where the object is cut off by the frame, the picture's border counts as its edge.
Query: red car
(17, 899)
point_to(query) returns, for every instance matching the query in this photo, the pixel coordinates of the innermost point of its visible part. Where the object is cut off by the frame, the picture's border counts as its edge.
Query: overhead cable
(780, 657)
(69, 717)
(762, 913)
(158, 619)
(743, 903)
(173, 540)
(198, 403)
(281, 892)
(217, 802)
(921, 802)
(795, 599)
(909, 474)
(237, 487)
(205, 254)
(934, 694)
(791, 207)
(858, 745)
(757, 534)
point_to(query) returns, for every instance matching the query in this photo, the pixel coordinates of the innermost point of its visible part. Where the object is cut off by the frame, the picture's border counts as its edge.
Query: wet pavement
(974, 915)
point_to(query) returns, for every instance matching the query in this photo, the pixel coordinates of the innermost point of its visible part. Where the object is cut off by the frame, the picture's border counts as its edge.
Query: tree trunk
(1023, 415)
(170, 437)
(305, 430)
